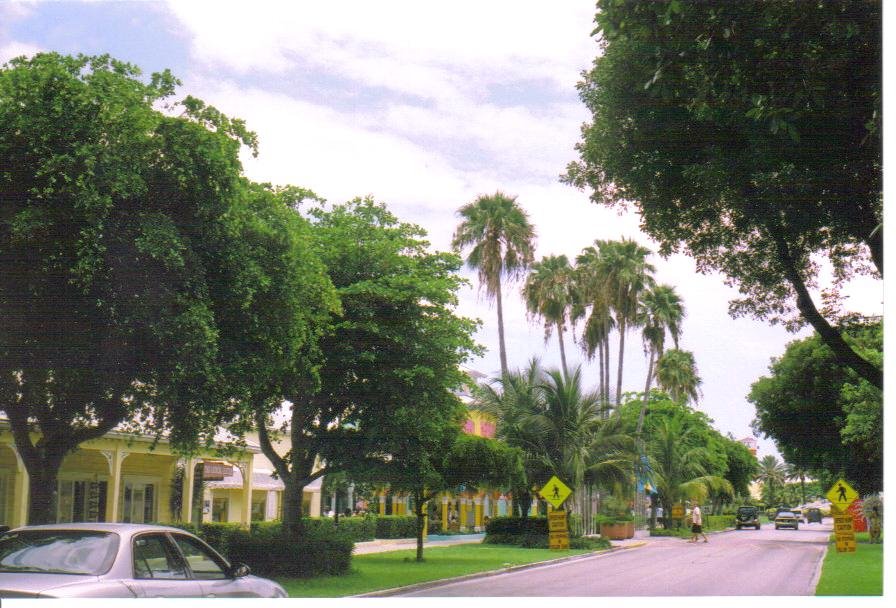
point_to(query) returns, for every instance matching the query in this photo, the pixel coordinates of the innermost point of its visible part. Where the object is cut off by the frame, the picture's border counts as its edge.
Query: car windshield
(58, 551)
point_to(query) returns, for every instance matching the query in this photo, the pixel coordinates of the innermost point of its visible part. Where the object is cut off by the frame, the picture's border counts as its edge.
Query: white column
(270, 505)
(115, 459)
(19, 516)
(246, 468)
(186, 509)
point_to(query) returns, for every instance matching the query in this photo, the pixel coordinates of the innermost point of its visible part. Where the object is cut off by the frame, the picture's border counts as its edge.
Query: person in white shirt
(697, 524)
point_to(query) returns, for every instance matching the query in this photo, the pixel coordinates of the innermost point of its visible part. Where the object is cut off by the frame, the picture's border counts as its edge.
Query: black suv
(747, 516)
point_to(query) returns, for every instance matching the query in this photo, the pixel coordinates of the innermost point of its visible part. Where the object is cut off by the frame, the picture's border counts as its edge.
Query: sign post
(842, 496)
(556, 492)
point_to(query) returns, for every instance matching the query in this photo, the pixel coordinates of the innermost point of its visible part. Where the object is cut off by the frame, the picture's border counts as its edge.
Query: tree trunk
(502, 349)
(42, 493)
(562, 350)
(420, 510)
(292, 508)
(607, 369)
(829, 335)
(646, 392)
(619, 367)
(601, 364)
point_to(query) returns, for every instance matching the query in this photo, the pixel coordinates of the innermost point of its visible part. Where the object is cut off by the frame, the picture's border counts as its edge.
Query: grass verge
(377, 571)
(859, 573)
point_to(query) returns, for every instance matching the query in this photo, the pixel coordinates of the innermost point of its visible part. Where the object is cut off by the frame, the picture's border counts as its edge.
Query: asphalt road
(737, 562)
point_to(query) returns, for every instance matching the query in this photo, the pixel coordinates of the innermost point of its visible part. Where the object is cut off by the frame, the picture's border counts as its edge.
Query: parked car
(747, 516)
(120, 560)
(813, 515)
(787, 519)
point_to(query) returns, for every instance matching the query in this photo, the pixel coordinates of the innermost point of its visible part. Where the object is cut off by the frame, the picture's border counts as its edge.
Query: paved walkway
(397, 544)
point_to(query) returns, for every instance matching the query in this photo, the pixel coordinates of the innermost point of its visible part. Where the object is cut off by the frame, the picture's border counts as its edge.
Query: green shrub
(718, 522)
(320, 550)
(357, 528)
(584, 542)
(396, 526)
(528, 532)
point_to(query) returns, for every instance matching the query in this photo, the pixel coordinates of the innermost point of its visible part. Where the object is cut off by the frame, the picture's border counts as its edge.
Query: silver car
(119, 560)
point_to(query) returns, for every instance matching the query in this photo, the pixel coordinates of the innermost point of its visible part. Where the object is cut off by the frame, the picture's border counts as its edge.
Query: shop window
(138, 503)
(258, 508)
(219, 508)
(81, 500)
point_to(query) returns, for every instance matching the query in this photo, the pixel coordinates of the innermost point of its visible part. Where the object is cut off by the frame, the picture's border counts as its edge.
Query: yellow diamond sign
(841, 495)
(555, 492)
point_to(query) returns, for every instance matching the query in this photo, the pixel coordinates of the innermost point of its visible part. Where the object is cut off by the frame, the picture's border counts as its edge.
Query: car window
(203, 564)
(153, 558)
(58, 551)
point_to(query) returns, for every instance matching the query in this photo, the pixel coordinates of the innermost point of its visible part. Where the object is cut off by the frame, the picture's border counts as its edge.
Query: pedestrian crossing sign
(841, 495)
(555, 492)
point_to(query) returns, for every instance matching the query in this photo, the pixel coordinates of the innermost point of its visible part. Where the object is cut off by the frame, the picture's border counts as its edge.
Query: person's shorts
(697, 529)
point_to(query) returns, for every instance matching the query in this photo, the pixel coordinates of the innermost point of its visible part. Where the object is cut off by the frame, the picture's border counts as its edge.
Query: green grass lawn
(376, 571)
(859, 573)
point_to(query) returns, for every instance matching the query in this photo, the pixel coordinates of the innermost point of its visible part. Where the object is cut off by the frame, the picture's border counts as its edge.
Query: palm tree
(548, 292)
(617, 273)
(771, 473)
(627, 274)
(676, 373)
(511, 399)
(558, 426)
(660, 311)
(500, 239)
(795, 471)
(590, 293)
(680, 465)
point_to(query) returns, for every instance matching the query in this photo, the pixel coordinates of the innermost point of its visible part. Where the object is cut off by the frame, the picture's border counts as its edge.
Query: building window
(259, 507)
(138, 503)
(219, 508)
(81, 500)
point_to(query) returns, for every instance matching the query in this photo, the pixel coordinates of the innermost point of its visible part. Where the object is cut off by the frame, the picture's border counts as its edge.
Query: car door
(159, 570)
(210, 571)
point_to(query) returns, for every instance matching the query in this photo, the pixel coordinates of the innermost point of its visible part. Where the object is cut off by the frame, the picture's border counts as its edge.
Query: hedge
(396, 526)
(526, 532)
(268, 553)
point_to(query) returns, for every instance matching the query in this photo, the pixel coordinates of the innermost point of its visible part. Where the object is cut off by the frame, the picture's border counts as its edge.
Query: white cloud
(17, 49)
(404, 45)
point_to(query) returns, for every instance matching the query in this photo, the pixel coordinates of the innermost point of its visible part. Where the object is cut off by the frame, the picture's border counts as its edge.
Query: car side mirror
(239, 570)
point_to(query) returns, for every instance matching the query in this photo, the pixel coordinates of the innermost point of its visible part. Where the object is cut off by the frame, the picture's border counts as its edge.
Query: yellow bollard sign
(844, 533)
(558, 531)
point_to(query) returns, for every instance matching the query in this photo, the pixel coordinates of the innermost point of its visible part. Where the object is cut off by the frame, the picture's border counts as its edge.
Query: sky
(424, 106)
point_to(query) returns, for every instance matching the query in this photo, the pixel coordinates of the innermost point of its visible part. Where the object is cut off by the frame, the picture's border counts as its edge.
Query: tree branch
(829, 335)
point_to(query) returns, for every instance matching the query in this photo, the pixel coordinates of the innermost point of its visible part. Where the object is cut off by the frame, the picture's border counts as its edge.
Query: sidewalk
(397, 544)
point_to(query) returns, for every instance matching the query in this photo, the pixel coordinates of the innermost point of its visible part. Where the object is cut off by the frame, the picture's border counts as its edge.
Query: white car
(119, 560)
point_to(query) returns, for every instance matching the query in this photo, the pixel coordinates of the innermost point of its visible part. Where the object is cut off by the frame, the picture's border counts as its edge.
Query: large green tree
(388, 361)
(440, 458)
(500, 238)
(822, 415)
(747, 135)
(114, 217)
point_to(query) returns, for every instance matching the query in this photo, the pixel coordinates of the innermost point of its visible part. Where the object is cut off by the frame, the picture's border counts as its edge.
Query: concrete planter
(620, 530)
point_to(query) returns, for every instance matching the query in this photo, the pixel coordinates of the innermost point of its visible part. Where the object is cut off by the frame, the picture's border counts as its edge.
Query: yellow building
(125, 478)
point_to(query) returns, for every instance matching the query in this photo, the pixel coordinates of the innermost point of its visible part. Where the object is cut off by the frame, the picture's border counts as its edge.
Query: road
(741, 562)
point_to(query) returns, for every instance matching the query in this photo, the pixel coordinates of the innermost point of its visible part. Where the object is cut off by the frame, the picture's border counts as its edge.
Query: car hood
(32, 584)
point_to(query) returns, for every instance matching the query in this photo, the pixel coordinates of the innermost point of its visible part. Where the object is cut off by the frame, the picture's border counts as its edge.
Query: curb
(488, 573)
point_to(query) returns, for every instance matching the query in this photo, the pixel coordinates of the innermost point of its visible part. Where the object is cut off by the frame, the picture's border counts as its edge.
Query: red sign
(858, 518)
